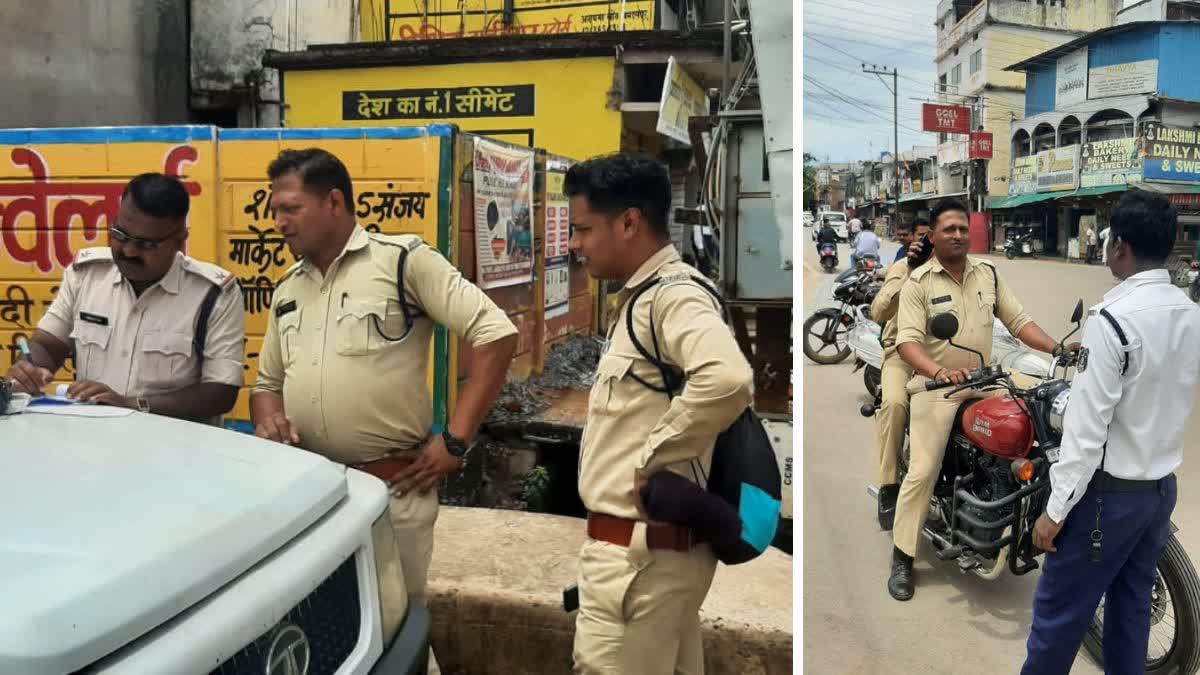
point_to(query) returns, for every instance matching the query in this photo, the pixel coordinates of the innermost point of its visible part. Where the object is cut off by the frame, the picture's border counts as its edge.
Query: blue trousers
(1136, 527)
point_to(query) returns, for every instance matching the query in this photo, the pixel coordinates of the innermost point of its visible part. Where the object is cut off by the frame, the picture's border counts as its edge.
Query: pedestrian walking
(1091, 245)
(1113, 488)
(641, 584)
(150, 328)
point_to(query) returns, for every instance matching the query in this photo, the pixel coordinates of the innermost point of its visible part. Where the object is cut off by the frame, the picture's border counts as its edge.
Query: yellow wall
(570, 101)
(477, 18)
(58, 197)
(230, 203)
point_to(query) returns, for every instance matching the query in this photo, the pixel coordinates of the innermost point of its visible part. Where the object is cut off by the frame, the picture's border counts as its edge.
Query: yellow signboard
(682, 99)
(562, 106)
(424, 20)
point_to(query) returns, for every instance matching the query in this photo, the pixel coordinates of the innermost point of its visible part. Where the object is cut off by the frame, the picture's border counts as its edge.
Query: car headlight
(393, 596)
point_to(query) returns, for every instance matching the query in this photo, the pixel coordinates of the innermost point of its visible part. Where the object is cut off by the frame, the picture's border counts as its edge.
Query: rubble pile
(569, 365)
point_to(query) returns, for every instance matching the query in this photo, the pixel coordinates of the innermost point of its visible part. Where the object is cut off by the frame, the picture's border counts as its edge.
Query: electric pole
(875, 70)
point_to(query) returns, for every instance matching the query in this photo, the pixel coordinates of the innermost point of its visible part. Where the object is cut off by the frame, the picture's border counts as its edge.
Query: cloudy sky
(848, 114)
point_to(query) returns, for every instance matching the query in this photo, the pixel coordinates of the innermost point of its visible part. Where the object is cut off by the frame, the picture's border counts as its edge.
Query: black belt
(1105, 482)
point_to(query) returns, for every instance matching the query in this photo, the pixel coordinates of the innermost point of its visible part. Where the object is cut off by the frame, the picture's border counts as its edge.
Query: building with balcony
(976, 41)
(1116, 108)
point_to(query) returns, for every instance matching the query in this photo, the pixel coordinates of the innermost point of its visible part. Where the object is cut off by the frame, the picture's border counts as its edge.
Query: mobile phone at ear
(926, 251)
(571, 598)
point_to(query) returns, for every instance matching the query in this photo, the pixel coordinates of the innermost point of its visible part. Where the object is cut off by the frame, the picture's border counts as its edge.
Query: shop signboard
(1058, 169)
(1071, 76)
(1112, 162)
(1170, 153)
(945, 119)
(1123, 79)
(1022, 178)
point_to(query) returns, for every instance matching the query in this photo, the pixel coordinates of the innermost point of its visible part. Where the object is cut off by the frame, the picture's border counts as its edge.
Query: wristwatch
(142, 405)
(457, 446)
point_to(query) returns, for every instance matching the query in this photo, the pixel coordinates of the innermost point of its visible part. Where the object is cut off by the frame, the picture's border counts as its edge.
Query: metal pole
(896, 143)
(727, 51)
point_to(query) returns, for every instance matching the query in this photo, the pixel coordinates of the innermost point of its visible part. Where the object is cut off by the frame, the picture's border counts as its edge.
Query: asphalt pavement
(956, 623)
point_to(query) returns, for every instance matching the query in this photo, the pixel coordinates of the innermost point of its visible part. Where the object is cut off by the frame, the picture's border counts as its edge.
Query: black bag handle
(200, 335)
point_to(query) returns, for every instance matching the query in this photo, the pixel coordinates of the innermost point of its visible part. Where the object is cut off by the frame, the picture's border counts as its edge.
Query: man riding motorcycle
(970, 289)
(866, 244)
(894, 374)
(826, 235)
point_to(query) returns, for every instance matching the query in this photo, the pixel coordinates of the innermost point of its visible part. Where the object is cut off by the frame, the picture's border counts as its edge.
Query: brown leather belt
(619, 531)
(385, 469)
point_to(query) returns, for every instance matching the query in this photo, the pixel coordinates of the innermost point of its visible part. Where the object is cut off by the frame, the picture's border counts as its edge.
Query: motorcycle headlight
(393, 596)
(1058, 409)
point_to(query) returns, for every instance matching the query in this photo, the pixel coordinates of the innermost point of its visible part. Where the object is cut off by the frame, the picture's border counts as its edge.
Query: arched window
(1070, 131)
(1110, 124)
(1020, 144)
(1043, 137)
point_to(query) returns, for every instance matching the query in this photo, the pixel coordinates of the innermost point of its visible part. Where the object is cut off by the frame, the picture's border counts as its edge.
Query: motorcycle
(829, 257)
(994, 484)
(1007, 352)
(1019, 245)
(830, 326)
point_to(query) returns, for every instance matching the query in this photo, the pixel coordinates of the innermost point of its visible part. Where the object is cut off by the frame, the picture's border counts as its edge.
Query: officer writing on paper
(971, 290)
(1113, 488)
(641, 584)
(149, 327)
(344, 365)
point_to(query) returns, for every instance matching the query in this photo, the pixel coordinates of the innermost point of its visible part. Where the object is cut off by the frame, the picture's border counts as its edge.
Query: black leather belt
(1105, 482)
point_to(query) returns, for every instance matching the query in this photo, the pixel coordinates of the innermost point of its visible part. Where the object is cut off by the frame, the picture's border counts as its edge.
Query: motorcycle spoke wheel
(1163, 632)
(826, 340)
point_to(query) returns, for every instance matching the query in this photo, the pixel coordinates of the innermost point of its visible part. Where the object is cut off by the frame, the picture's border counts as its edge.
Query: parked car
(145, 544)
(808, 219)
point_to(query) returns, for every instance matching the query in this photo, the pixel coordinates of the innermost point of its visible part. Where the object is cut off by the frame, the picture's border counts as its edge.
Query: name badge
(94, 318)
(289, 306)
(944, 298)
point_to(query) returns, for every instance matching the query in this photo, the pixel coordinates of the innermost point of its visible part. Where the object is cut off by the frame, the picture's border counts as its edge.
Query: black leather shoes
(887, 506)
(900, 584)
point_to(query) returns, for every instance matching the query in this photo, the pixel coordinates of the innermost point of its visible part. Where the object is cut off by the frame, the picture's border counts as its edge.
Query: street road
(955, 623)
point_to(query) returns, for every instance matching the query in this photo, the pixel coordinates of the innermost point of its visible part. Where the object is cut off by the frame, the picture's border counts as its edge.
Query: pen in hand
(23, 345)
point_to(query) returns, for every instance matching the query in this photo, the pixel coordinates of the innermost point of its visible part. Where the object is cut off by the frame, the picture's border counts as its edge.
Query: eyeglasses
(122, 237)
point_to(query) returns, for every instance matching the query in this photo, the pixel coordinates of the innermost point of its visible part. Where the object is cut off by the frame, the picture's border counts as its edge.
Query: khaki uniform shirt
(634, 431)
(354, 394)
(931, 290)
(142, 345)
(886, 305)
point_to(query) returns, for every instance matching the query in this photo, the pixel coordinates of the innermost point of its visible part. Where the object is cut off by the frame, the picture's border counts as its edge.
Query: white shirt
(1142, 414)
(868, 244)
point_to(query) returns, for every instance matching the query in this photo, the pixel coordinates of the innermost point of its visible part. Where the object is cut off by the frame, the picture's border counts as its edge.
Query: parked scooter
(1019, 246)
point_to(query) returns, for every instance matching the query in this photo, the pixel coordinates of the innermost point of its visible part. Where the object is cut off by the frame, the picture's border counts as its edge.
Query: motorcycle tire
(871, 379)
(816, 325)
(1009, 254)
(1177, 574)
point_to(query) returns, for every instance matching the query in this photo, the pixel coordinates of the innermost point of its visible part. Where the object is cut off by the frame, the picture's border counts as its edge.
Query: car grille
(330, 618)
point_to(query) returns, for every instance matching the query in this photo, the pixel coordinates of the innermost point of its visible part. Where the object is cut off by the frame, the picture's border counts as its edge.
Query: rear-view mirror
(1077, 315)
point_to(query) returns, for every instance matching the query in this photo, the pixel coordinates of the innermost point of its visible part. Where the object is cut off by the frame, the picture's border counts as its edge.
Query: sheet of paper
(79, 410)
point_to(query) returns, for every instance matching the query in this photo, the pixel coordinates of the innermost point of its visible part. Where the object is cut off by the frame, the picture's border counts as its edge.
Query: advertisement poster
(1022, 179)
(682, 99)
(558, 234)
(1123, 79)
(1071, 76)
(946, 119)
(1057, 169)
(1113, 162)
(503, 210)
(1170, 153)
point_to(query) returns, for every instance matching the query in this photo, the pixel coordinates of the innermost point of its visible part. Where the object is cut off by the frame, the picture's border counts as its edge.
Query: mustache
(129, 261)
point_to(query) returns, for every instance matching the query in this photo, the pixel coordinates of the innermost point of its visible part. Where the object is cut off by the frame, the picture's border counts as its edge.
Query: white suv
(144, 544)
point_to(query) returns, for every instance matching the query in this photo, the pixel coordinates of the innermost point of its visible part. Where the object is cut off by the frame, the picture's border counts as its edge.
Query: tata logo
(289, 653)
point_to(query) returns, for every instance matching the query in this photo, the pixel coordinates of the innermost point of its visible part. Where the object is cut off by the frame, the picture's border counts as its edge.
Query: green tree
(810, 182)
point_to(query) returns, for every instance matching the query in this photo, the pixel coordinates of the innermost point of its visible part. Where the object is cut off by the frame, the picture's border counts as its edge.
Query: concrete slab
(495, 591)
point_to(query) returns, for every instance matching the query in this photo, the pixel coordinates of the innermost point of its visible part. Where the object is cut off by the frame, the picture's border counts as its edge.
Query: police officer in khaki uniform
(894, 376)
(641, 584)
(344, 365)
(969, 289)
(131, 317)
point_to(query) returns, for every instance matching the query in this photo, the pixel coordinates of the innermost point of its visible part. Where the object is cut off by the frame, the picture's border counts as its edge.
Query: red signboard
(945, 119)
(981, 145)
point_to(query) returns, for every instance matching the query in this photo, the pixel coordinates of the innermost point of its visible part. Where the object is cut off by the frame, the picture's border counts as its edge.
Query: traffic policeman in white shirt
(1113, 488)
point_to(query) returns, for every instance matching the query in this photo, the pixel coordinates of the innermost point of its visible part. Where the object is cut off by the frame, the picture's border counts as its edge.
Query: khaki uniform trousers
(413, 518)
(932, 419)
(639, 610)
(893, 414)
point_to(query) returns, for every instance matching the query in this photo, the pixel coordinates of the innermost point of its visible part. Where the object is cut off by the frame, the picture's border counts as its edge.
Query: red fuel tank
(999, 426)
